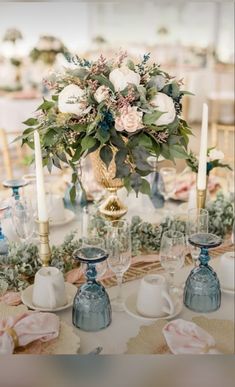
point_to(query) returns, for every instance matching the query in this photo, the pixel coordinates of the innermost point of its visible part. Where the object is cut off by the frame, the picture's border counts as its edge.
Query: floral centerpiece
(125, 111)
(47, 48)
(214, 160)
(12, 35)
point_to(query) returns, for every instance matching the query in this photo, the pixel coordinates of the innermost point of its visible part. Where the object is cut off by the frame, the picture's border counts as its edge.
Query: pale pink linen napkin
(185, 337)
(77, 275)
(11, 298)
(26, 328)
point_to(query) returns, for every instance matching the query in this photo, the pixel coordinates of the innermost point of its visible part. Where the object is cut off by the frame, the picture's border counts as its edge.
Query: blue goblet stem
(91, 272)
(204, 256)
(16, 194)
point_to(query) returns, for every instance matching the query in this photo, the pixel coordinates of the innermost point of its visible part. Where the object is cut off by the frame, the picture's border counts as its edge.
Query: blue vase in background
(80, 199)
(156, 197)
(202, 288)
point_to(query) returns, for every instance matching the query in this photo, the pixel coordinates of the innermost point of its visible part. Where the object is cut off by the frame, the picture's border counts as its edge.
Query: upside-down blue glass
(202, 288)
(15, 185)
(91, 307)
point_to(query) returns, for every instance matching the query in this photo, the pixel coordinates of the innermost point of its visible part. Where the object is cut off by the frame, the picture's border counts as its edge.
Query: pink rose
(129, 119)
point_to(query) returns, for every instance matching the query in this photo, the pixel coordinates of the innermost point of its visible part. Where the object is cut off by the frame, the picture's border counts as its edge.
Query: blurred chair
(12, 155)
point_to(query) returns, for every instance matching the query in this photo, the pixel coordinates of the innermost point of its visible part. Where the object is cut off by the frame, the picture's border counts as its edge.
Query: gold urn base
(112, 208)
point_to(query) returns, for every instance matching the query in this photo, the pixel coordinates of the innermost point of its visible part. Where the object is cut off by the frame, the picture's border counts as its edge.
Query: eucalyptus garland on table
(127, 111)
(22, 262)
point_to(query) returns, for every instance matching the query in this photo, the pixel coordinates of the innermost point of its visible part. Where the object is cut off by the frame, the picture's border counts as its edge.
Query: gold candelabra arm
(45, 251)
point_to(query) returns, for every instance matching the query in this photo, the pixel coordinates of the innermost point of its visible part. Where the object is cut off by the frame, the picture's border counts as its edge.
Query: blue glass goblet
(91, 306)
(15, 185)
(202, 288)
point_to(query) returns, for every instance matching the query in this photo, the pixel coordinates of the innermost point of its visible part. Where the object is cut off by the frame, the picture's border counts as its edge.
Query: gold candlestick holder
(201, 198)
(45, 251)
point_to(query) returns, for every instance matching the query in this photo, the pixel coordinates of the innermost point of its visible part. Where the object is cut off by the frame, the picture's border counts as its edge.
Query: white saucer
(26, 297)
(130, 308)
(68, 217)
(228, 291)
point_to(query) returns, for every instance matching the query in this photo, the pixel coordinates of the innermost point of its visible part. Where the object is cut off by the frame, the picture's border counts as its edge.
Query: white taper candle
(201, 178)
(41, 195)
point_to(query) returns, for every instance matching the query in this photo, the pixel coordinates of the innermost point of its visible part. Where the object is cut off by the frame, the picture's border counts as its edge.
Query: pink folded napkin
(11, 298)
(25, 328)
(185, 337)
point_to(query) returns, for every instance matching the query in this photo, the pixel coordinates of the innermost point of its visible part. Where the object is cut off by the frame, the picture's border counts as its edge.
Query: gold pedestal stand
(201, 198)
(45, 251)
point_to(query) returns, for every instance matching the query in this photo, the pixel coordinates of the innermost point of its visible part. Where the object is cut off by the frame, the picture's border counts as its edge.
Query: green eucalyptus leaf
(88, 142)
(77, 153)
(106, 155)
(31, 122)
(151, 118)
(103, 81)
(178, 152)
(145, 187)
(46, 105)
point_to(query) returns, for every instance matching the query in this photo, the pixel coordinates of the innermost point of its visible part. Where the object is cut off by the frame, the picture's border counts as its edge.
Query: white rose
(69, 100)
(215, 154)
(130, 120)
(165, 104)
(101, 93)
(122, 76)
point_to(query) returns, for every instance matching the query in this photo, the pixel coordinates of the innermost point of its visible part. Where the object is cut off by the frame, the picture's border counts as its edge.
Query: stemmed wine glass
(23, 219)
(167, 182)
(118, 243)
(172, 254)
(197, 224)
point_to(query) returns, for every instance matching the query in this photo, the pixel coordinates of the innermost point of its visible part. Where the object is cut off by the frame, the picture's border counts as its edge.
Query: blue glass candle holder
(15, 185)
(202, 288)
(91, 307)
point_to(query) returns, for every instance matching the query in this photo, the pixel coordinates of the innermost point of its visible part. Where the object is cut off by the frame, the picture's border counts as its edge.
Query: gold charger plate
(150, 340)
(68, 343)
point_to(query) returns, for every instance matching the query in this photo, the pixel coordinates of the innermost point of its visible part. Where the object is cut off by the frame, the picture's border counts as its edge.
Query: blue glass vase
(202, 288)
(156, 197)
(91, 307)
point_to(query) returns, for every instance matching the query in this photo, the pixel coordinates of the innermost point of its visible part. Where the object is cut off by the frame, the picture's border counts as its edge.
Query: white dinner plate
(228, 291)
(130, 308)
(68, 217)
(27, 298)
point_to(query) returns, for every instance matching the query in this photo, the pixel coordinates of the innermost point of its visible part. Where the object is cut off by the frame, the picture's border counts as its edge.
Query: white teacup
(153, 299)
(49, 288)
(55, 208)
(226, 270)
